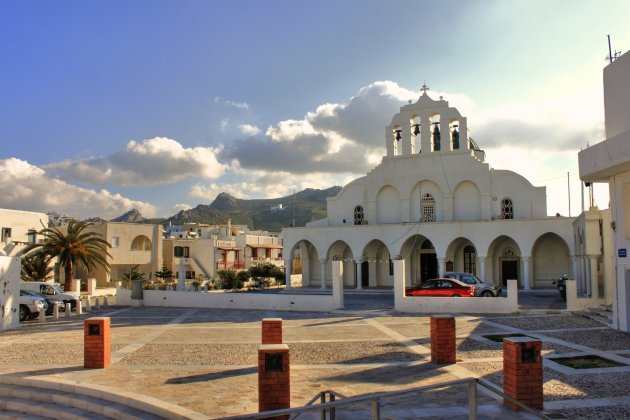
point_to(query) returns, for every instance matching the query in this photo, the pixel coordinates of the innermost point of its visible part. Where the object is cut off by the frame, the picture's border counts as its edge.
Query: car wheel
(455, 296)
(24, 313)
(487, 293)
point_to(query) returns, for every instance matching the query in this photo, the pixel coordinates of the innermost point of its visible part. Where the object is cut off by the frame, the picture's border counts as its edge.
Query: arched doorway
(503, 261)
(421, 262)
(340, 251)
(376, 266)
(306, 263)
(550, 259)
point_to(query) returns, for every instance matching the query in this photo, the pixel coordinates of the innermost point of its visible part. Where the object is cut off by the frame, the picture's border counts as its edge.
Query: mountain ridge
(301, 207)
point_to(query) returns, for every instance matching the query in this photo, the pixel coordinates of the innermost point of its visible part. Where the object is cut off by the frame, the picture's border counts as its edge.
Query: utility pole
(569, 189)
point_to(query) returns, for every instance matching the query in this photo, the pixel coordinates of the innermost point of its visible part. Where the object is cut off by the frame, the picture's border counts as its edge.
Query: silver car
(481, 287)
(30, 306)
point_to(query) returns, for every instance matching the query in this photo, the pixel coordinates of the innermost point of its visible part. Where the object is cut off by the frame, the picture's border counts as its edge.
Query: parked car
(30, 306)
(51, 300)
(51, 289)
(442, 288)
(481, 287)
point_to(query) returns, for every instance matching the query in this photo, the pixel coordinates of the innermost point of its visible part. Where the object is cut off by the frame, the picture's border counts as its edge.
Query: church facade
(435, 203)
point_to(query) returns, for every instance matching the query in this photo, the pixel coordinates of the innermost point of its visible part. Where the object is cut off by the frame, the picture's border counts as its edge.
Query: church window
(507, 208)
(427, 205)
(358, 215)
(470, 259)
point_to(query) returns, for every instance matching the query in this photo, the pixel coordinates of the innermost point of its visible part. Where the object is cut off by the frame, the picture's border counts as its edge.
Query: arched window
(427, 207)
(470, 259)
(507, 208)
(358, 215)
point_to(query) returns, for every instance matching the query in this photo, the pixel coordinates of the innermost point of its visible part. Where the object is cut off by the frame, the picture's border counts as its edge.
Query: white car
(31, 306)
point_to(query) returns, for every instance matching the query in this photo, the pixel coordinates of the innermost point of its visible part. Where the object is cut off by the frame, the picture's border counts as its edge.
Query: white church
(436, 204)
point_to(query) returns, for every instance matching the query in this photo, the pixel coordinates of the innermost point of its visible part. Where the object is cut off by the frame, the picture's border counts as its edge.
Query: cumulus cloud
(27, 187)
(155, 161)
(249, 130)
(179, 207)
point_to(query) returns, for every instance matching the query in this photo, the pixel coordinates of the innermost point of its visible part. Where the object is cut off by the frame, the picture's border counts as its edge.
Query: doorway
(365, 274)
(428, 266)
(509, 271)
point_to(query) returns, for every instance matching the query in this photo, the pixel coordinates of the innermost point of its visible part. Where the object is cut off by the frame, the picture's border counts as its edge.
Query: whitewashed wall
(9, 292)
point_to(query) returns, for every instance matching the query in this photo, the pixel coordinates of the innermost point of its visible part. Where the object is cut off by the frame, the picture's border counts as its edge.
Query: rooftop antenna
(612, 57)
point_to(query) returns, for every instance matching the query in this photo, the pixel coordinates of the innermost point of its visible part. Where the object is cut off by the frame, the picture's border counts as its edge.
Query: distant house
(277, 207)
(134, 245)
(19, 228)
(206, 249)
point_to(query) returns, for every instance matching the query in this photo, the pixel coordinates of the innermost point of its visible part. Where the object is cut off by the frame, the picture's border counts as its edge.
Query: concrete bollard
(523, 371)
(88, 305)
(55, 311)
(105, 302)
(68, 310)
(443, 343)
(205, 288)
(272, 331)
(274, 385)
(42, 316)
(79, 307)
(97, 304)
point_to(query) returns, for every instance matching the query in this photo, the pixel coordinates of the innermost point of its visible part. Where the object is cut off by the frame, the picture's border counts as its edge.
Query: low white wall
(10, 279)
(474, 305)
(231, 300)
(103, 291)
(575, 303)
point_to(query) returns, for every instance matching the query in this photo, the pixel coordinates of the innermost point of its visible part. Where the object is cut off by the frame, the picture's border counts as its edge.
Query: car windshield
(470, 279)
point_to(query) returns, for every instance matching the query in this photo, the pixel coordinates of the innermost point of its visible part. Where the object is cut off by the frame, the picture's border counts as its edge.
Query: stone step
(65, 399)
(96, 407)
(14, 415)
(46, 410)
(603, 318)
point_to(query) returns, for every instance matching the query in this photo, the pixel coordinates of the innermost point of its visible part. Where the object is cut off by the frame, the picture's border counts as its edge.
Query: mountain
(132, 216)
(266, 214)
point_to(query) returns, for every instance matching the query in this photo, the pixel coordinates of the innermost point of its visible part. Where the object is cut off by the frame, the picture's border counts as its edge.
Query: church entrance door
(365, 274)
(509, 271)
(428, 266)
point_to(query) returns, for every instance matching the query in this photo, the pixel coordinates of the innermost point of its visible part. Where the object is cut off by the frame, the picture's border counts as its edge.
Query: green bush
(230, 279)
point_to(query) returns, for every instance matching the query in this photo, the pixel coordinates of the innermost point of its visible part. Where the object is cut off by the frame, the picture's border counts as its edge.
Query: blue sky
(161, 105)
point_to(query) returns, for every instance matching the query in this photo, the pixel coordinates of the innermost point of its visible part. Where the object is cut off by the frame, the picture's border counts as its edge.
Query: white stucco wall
(10, 279)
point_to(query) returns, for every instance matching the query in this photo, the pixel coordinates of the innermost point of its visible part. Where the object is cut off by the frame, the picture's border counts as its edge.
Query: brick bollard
(443, 339)
(272, 331)
(97, 353)
(274, 378)
(522, 371)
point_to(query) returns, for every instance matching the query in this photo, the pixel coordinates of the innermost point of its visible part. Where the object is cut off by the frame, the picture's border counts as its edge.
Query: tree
(36, 267)
(73, 247)
(133, 274)
(164, 274)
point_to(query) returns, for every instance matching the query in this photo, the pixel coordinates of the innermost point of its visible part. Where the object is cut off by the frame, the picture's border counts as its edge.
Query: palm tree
(36, 267)
(74, 247)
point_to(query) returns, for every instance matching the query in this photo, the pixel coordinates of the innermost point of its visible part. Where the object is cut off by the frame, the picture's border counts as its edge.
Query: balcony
(231, 265)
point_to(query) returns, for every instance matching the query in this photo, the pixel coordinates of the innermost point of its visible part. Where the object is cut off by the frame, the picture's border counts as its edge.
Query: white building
(206, 249)
(436, 204)
(609, 161)
(19, 228)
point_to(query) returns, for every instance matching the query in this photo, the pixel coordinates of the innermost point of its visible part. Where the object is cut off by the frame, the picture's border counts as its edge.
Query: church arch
(341, 251)
(376, 265)
(454, 134)
(503, 261)
(461, 255)
(550, 259)
(420, 190)
(420, 260)
(305, 262)
(467, 202)
(388, 205)
(436, 135)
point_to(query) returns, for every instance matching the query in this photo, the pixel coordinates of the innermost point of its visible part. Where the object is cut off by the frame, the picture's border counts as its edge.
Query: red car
(442, 288)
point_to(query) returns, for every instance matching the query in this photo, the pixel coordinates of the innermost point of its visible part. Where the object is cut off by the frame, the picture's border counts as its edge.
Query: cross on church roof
(424, 89)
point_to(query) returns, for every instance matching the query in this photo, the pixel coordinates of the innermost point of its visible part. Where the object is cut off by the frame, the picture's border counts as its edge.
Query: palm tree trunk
(67, 269)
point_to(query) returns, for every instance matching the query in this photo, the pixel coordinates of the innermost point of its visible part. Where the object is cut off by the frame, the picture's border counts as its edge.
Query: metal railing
(337, 401)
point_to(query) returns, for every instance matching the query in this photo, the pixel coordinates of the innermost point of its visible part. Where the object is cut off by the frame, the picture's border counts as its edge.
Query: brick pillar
(443, 339)
(274, 386)
(97, 352)
(522, 371)
(272, 331)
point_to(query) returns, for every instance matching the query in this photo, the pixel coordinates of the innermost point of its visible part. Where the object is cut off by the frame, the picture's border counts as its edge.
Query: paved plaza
(205, 359)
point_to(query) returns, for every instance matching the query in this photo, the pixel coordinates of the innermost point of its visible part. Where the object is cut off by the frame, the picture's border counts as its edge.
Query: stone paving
(204, 359)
